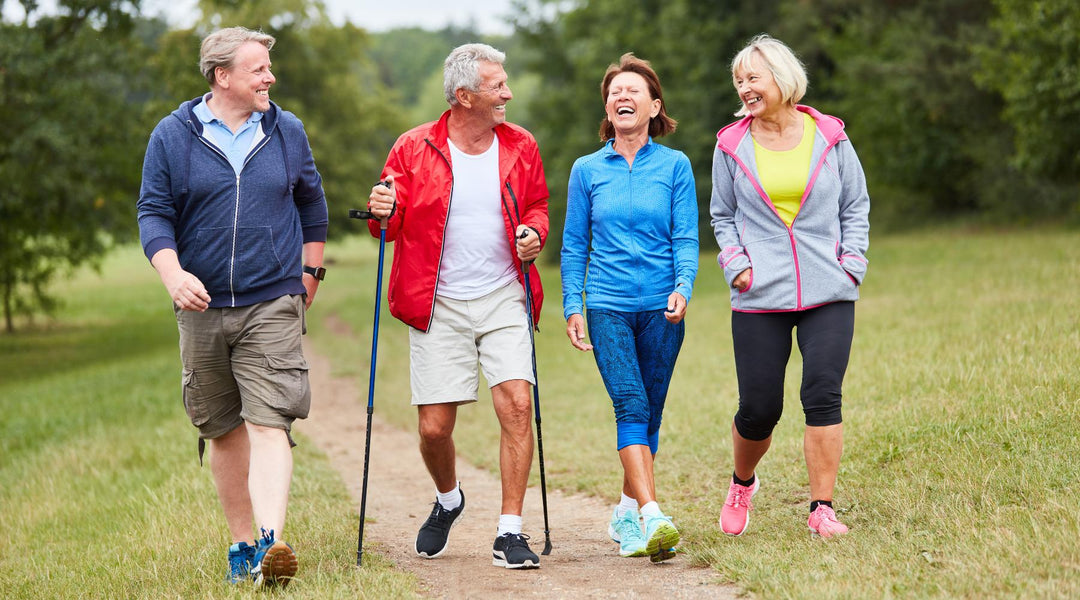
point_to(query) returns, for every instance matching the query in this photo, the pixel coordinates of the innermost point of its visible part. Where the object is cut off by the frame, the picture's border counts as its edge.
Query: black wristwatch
(316, 272)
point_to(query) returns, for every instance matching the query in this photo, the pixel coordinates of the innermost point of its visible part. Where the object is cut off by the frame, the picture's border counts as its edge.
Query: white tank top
(477, 257)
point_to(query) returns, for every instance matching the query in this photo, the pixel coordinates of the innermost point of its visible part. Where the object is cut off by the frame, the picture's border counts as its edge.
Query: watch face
(316, 272)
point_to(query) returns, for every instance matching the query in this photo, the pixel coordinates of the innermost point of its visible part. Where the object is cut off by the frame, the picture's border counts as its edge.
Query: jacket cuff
(158, 244)
(315, 233)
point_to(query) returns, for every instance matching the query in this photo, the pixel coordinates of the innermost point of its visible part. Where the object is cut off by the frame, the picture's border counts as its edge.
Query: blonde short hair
(219, 48)
(787, 70)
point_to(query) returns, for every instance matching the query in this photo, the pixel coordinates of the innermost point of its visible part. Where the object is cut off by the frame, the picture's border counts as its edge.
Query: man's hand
(311, 285)
(528, 244)
(382, 199)
(185, 289)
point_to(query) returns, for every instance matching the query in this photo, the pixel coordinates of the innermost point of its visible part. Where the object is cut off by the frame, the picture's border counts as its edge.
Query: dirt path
(583, 564)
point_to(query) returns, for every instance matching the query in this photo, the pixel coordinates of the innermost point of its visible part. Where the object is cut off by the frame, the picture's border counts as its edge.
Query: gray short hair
(786, 68)
(462, 68)
(219, 48)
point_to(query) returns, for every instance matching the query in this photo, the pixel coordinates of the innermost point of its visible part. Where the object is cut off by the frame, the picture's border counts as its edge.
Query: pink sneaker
(735, 516)
(823, 523)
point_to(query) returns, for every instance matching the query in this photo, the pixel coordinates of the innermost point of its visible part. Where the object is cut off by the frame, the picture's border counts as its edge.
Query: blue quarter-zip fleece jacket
(242, 236)
(634, 230)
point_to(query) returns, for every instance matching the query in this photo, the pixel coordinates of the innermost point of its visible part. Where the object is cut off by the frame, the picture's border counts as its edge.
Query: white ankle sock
(651, 509)
(509, 524)
(627, 503)
(450, 500)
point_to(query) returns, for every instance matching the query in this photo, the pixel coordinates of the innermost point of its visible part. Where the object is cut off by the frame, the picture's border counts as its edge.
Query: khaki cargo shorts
(491, 330)
(244, 364)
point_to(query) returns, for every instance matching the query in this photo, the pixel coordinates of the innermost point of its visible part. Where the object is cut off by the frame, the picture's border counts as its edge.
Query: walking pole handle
(355, 213)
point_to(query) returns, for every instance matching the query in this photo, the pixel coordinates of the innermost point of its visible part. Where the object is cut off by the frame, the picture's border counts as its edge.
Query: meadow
(101, 493)
(962, 413)
(960, 474)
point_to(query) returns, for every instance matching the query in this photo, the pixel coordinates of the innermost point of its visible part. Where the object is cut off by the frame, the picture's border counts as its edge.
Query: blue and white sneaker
(626, 530)
(661, 536)
(275, 562)
(241, 560)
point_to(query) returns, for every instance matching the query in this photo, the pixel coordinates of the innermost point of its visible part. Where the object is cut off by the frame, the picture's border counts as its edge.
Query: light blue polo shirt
(236, 146)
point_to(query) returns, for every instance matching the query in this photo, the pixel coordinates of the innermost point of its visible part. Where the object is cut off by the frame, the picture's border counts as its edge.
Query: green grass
(101, 495)
(961, 408)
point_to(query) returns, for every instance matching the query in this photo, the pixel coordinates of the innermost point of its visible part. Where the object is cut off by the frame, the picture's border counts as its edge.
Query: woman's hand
(742, 280)
(676, 308)
(575, 330)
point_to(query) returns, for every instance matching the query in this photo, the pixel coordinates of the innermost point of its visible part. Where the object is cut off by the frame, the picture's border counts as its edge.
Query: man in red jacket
(466, 205)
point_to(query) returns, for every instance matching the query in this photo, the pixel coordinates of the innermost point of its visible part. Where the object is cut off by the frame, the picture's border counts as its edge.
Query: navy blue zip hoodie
(242, 236)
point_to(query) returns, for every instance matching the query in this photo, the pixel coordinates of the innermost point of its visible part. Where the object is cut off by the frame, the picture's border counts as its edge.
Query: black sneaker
(511, 550)
(431, 541)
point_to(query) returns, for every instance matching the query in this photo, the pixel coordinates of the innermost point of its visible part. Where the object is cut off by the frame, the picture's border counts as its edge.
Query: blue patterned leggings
(636, 352)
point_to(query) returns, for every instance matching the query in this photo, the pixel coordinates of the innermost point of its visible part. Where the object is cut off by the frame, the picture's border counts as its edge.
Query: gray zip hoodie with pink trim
(821, 258)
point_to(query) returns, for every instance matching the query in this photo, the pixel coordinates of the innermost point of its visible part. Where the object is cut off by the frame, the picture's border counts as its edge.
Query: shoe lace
(267, 538)
(439, 517)
(516, 540)
(240, 561)
(740, 496)
(629, 529)
(826, 518)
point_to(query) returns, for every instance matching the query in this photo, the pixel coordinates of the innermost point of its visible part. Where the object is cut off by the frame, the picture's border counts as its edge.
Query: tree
(1033, 61)
(690, 45)
(72, 145)
(326, 77)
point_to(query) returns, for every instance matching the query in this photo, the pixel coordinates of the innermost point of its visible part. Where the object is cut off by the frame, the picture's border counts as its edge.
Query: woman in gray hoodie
(790, 212)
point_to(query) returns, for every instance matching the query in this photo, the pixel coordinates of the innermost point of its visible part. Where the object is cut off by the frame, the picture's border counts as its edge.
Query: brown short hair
(661, 124)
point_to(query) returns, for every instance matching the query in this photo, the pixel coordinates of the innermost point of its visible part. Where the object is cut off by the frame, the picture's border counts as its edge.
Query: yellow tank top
(783, 174)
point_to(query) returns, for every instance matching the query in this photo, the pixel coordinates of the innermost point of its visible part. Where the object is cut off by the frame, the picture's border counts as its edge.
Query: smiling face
(758, 90)
(629, 105)
(489, 101)
(247, 84)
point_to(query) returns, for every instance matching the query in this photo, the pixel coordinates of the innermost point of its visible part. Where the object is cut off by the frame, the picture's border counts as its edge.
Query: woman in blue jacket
(790, 212)
(630, 252)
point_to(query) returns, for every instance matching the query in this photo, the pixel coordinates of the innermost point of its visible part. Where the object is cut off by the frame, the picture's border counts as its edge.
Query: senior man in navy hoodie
(233, 217)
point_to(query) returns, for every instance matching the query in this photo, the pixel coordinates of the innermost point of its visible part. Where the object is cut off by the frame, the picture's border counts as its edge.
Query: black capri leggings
(762, 349)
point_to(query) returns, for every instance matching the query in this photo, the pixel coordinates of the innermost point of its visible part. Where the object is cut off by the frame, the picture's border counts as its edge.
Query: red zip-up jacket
(423, 180)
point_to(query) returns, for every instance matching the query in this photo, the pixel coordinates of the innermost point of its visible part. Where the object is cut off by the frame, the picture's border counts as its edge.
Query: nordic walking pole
(363, 214)
(536, 404)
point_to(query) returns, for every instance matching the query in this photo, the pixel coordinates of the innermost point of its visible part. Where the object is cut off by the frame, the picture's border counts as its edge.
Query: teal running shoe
(661, 536)
(626, 530)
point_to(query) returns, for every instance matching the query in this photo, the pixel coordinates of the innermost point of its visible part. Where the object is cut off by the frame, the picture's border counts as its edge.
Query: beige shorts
(491, 330)
(244, 364)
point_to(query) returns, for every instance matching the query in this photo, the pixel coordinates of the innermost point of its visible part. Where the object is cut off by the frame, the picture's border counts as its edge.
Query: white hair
(462, 68)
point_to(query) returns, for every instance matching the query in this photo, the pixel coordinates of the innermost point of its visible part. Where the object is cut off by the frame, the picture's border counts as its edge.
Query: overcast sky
(373, 15)
(488, 15)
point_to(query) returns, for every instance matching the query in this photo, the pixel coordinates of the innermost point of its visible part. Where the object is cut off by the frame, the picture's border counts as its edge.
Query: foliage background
(959, 109)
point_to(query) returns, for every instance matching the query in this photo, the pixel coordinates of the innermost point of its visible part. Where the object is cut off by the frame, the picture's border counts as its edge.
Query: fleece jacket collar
(185, 113)
(830, 127)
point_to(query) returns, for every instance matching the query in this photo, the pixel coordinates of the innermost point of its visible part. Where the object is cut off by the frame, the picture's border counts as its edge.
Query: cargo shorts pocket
(287, 375)
(194, 400)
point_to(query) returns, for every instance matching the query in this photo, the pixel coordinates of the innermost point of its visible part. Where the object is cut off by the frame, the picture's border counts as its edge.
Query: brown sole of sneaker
(279, 566)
